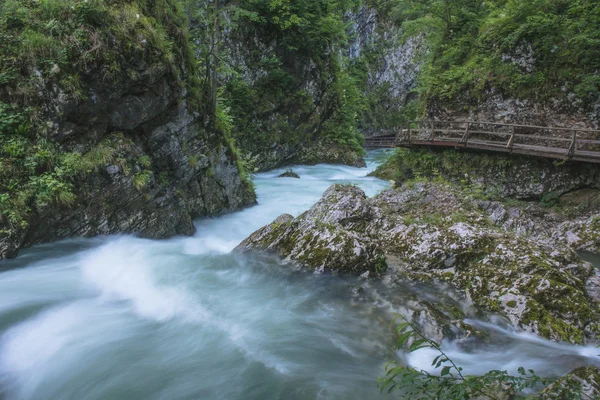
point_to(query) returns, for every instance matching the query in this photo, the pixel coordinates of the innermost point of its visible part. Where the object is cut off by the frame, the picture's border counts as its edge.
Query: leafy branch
(451, 382)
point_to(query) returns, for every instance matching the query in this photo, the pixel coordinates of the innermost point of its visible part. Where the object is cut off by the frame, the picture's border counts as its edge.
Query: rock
(431, 232)
(323, 238)
(156, 166)
(289, 174)
(10, 240)
(585, 380)
(393, 69)
(566, 110)
(580, 234)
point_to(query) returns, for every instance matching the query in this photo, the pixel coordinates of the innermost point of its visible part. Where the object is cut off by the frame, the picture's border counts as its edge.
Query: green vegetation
(490, 176)
(451, 383)
(304, 90)
(50, 48)
(55, 41)
(527, 49)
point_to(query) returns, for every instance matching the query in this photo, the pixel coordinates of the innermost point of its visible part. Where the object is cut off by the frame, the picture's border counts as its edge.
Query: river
(126, 318)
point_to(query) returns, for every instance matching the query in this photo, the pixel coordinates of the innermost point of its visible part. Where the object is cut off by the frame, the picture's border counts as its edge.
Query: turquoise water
(125, 318)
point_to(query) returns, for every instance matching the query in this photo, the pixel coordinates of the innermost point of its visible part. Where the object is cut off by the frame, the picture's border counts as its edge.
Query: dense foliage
(537, 49)
(49, 48)
(295, 85)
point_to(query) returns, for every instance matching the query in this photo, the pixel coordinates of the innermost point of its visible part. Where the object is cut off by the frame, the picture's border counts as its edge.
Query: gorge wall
(105, 135)
(303, 82)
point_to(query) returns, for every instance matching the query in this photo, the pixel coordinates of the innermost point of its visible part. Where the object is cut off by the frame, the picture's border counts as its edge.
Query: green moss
(478, 45)
(549, 326)
(55, 46)
(449, 166)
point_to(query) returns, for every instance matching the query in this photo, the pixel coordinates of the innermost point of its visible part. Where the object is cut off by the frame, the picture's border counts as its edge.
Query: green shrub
(473, 45)
(56, 44)
(453, 384)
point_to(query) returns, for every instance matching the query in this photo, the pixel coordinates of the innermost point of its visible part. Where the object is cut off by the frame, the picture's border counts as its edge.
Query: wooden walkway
(575, 144)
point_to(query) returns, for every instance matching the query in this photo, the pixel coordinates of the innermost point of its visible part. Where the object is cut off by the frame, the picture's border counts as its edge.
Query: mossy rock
(289, 174)
(428, 232)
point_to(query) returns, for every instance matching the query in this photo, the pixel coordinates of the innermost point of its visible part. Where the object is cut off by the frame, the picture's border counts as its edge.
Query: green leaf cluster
(51, 49)
(540, 49)
(453, 384)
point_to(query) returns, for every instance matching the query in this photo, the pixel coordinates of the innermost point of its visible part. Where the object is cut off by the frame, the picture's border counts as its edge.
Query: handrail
(473, 135)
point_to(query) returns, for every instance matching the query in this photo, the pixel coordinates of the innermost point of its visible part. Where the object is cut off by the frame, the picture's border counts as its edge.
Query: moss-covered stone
(584, 380)
(492, 175)
(105, 133)
(415, 229)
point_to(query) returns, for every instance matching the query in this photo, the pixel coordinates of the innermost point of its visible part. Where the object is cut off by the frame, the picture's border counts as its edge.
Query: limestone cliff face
(188, 172)
(156, 166)
(282, 100)
(393, 66)
(568, 112)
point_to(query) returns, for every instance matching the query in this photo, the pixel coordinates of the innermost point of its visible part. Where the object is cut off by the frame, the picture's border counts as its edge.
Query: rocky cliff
(507, 62)
(388, 63)
(291, 94)
(108, 140)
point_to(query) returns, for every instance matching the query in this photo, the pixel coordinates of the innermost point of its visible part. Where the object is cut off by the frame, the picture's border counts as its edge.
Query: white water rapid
(125, 318)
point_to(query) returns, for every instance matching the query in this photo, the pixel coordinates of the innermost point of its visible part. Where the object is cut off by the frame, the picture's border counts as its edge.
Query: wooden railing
(542, 141)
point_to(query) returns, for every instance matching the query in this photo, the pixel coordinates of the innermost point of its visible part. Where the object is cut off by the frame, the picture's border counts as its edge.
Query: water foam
(123, 270)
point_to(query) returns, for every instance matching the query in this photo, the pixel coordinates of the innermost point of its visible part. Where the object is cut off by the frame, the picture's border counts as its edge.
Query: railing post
(397, 136)
(511, 141)
(465, 138)
(432, 136)
(572, 147)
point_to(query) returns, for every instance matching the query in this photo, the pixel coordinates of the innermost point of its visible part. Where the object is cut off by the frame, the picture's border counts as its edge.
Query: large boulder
(426, 232)
(325, 238)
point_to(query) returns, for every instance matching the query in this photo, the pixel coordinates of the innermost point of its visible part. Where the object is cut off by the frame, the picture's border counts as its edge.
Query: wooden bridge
(541, 141)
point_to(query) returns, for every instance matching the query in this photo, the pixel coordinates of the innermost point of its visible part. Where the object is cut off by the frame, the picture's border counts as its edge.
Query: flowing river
(126, 318)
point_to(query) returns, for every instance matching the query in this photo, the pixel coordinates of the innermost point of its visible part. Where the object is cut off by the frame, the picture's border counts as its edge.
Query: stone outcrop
(152, 164)
(494, 175)
(323, 238)
(426, 232)
(289, 174)
(190, 172)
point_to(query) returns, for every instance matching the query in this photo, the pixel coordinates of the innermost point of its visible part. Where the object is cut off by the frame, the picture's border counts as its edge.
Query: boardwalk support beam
(511, 141)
